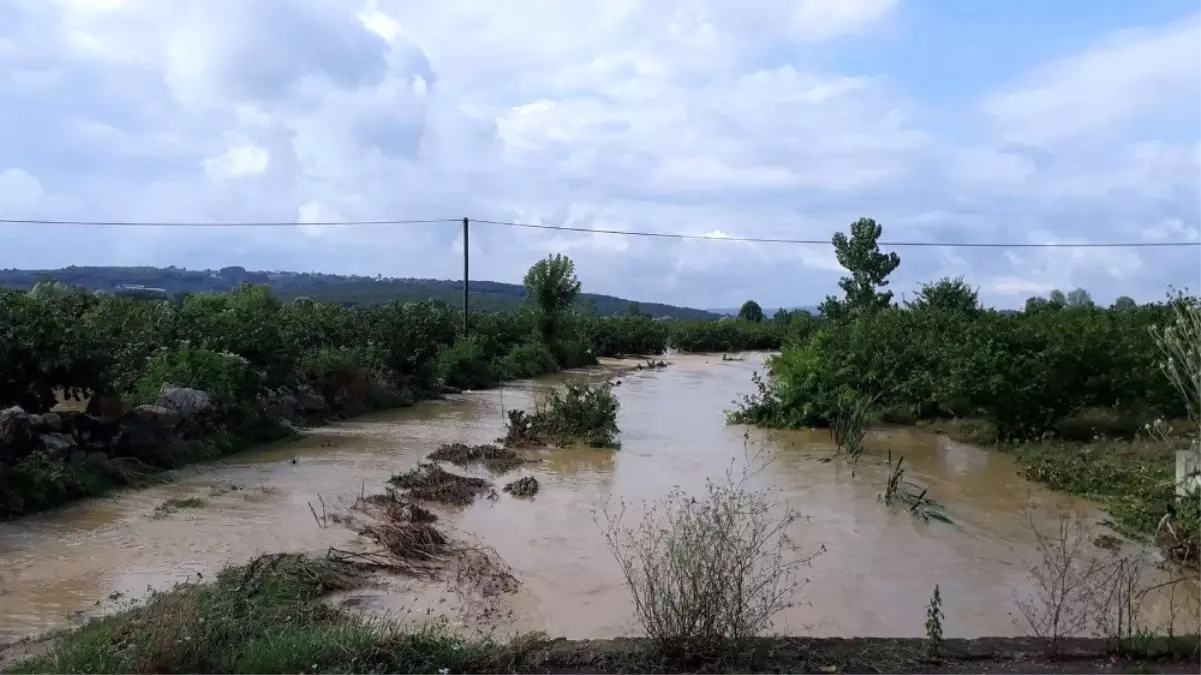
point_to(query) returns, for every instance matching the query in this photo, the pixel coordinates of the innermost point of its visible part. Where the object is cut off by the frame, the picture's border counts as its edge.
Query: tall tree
(781, 316)
(552, 284)
(751, 311)
(1079, 298)
(860, 255)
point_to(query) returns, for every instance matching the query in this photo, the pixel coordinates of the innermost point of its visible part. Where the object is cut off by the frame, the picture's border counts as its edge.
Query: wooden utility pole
(466, 275)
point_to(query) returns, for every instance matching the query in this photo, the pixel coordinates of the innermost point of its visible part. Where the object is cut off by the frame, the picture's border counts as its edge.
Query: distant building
(137, 290)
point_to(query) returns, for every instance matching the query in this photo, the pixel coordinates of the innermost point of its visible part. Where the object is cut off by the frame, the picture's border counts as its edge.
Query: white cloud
(1126, 76)
(696, 117)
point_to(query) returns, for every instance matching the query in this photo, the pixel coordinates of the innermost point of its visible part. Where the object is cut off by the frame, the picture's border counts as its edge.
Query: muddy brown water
(874, 579)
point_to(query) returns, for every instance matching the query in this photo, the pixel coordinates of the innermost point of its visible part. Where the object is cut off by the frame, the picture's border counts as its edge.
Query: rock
(310, 401)
(155, 414)
(16, 433)
(282, 406)
(147, 426)
(53, 421)
(77, 456)
(184, 400)
(96, 457)
(56, 444)
(37, 423)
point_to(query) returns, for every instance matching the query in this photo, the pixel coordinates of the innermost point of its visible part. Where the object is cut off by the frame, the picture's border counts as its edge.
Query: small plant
(900, 491)
(934, 617)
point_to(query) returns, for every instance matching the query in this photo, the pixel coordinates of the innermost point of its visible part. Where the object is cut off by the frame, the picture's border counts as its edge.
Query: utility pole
(466, 275)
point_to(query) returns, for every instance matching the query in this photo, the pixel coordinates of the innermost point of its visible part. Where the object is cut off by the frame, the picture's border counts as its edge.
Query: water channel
(874, 578)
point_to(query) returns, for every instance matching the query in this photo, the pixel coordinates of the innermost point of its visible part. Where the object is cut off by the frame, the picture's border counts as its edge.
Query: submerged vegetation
(430, 482)
(1079, 393)
(581, 413)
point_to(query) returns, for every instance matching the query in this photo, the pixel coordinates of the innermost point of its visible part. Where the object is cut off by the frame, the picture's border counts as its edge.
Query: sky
(995, 121)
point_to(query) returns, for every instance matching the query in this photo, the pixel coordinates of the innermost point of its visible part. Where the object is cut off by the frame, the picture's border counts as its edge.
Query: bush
(228, 377)
(464, 366)
(526, 360)
(580, 413)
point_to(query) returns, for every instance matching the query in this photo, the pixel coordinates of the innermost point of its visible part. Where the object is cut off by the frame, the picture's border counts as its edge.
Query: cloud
(767, 118)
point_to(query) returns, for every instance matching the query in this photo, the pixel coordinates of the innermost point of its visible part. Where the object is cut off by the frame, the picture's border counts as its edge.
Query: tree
(947, 294)
(1125, 302)
(751, 311)
(1057, 297)
(781, 316)
(634, 308)
(860, 255)
(1079, 298)
(552, 284)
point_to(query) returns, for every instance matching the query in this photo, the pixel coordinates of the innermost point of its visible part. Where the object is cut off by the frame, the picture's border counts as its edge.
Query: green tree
(947, 294)
(1058, 298)
(782, 316)
(1079, 298)
(1124, 302)
(552, 284)
(634, 308)
(860, 255)
(751, 311)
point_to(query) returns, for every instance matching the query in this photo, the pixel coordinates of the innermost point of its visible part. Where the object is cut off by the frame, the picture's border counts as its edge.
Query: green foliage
(751, 311)
(464, 366)
(620, 335)
(579, 413)
(228, 377)
(860, 255)
(1025, 373)
(947, 294)
(552, 285)
(528, 359)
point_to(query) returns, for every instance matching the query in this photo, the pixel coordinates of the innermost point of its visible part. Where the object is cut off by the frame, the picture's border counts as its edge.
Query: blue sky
(983, 121)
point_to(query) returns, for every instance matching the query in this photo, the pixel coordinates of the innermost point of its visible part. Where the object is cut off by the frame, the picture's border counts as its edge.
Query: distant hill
(346, 290)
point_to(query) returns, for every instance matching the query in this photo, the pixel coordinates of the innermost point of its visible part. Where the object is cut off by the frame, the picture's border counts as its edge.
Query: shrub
(463, 365)
(227, 377)
(709, 570)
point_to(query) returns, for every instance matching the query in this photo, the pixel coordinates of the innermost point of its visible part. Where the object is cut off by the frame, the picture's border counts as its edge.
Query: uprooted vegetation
(432, 483)
(523, 487)
(582, 412)
(903, 493)
(494, 457)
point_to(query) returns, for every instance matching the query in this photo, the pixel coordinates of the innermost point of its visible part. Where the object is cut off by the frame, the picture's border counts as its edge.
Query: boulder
(147, 426)
(57, 445)
(183, 400)
(16, 433)
(96, 457)
(52, 421)
(310, 401)
(282, 406)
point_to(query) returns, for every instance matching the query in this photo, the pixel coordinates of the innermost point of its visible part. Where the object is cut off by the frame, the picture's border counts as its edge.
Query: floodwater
(874, 577)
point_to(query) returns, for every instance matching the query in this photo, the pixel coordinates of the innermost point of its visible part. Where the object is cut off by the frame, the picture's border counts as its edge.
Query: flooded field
(874, 578)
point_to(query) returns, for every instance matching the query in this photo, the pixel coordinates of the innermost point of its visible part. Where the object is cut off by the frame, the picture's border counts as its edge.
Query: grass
(1133, 476)
(900, 492)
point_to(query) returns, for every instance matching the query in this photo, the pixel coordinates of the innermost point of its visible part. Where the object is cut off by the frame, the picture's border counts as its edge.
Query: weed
(900, 491)
(429, 482)
(934, 617)
(849, 424)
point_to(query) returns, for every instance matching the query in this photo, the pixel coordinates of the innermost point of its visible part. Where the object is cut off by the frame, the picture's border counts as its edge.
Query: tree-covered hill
(347, 290)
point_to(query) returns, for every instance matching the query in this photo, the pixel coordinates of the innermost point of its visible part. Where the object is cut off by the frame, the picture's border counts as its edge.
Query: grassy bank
(270, 616)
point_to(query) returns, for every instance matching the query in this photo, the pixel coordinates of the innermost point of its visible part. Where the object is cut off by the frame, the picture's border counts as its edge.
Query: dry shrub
(1078, 590)
(429, 482)
(708, 571)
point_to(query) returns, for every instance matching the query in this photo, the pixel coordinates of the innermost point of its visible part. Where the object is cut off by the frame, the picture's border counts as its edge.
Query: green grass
(263, 617)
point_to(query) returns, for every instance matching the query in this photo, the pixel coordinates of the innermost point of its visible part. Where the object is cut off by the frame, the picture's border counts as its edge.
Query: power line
(585, 230)
(132, 223)
(826, 242)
